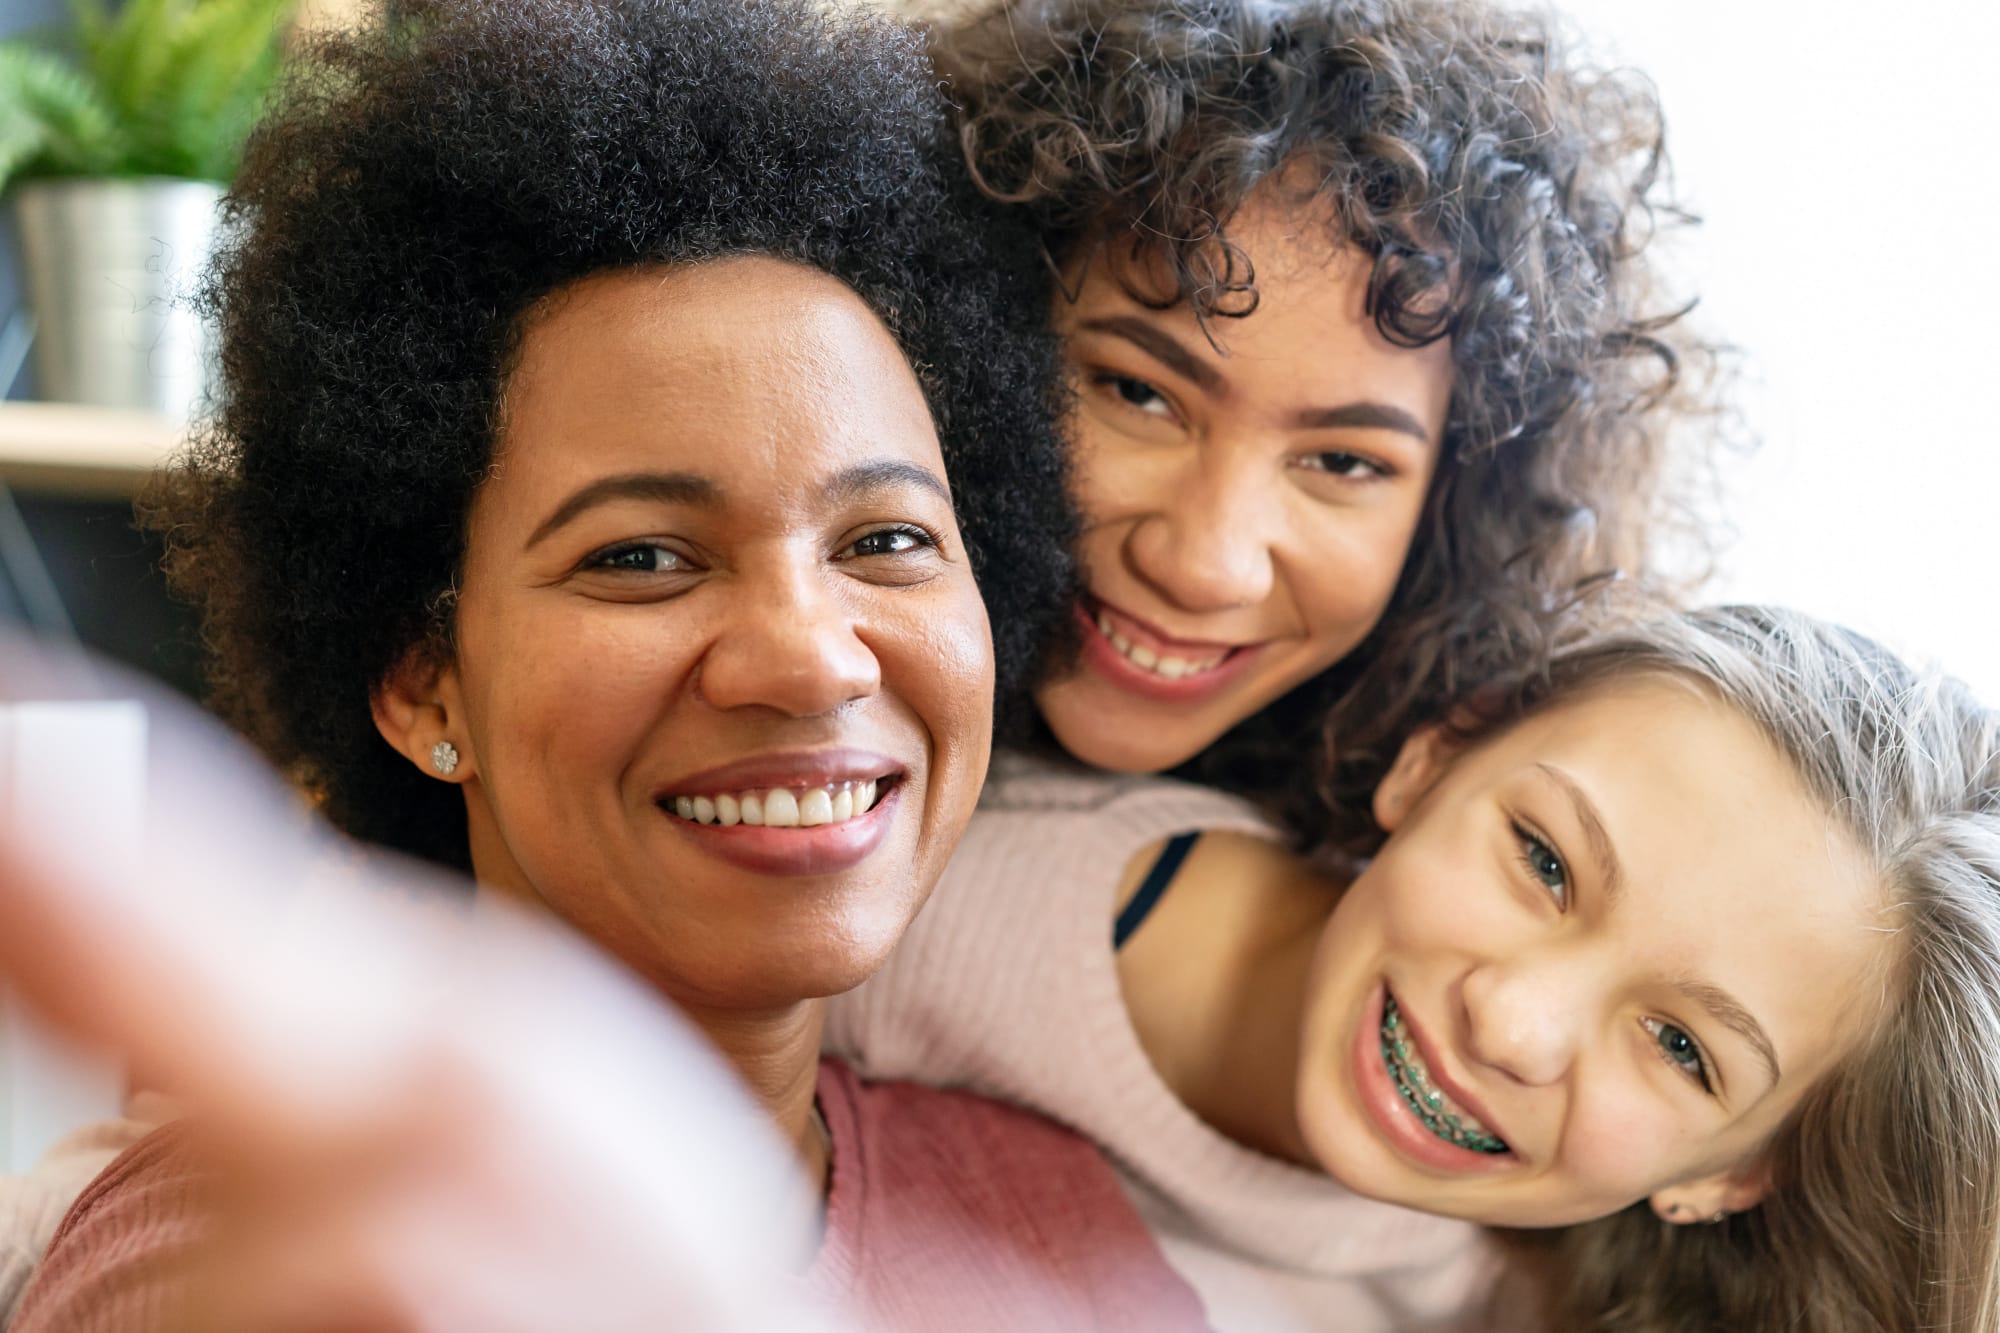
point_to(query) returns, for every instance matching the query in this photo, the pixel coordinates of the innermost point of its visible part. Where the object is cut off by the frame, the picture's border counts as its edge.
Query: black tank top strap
(1155, 884)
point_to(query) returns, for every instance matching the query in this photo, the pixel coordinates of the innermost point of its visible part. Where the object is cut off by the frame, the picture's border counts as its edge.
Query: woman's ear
(1717, 1197)
(1419, 764)
(419, 710)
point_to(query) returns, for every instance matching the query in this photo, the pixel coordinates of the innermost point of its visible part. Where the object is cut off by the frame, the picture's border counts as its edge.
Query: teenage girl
(1679, 959)
(1370, 368)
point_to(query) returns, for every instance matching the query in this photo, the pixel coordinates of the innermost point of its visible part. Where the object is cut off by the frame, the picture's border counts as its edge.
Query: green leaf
(166, 87)
(58, 124)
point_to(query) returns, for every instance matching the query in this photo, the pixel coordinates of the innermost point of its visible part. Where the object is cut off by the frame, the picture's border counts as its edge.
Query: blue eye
(639, 558)
(1543, 863)
(891, 541)
(1679, 1050)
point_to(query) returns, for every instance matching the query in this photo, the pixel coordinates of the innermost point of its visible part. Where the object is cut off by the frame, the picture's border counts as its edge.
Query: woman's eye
(1679, 1050)
(1349, 467)
(640, 558)
(891, 541)
(1138, 394)
(1543, 863)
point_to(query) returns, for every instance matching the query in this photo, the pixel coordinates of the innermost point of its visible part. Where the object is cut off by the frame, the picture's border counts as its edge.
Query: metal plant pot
(111, 265)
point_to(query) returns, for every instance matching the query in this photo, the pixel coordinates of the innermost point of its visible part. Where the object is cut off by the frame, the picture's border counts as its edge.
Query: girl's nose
(1525, 1015)
(1206, 544)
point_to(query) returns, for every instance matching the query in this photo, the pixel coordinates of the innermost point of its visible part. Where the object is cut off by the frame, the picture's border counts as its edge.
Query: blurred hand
(425, 1115)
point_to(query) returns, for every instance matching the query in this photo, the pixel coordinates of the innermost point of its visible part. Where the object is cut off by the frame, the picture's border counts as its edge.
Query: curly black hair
(1462, 147)
(424, 181)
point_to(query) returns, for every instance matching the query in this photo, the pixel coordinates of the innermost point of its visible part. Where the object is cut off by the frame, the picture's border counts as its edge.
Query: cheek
(1625, 1141)
(936, 655)
(1346, 571)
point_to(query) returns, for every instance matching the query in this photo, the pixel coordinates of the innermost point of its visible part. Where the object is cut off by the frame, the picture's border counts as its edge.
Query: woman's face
(1247, 503)
(723, 681)
(1615, 943)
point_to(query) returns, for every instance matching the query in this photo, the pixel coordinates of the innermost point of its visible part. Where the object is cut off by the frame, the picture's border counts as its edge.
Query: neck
(776, 1054)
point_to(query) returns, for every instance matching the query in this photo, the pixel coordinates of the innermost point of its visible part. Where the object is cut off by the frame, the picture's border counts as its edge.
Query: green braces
(1427, 1104)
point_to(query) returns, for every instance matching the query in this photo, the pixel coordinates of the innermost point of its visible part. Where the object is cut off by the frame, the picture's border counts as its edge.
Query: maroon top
(946, 1211)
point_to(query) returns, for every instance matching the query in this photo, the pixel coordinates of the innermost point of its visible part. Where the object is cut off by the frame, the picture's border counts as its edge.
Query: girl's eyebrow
(1719, 1004)
(1164, 348)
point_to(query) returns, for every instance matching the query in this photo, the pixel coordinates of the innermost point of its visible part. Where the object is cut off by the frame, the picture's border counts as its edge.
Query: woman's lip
(1143, 631)
(1393, 1116)
(824, 849)
(1101, 657)
(796, 768)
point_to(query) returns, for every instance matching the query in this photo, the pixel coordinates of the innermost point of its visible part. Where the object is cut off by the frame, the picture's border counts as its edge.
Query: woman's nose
(1524, 1016)
(1205, 543)
(789, 644)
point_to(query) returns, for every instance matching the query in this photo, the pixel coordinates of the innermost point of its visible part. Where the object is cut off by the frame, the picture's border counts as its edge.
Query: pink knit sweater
(1007, 984)
(947, 1212)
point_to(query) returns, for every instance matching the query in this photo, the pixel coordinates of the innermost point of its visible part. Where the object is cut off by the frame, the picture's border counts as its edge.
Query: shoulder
(976, 1200)
(110, 1265)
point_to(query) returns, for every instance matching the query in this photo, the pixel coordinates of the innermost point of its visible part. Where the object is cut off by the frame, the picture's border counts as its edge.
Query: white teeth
(780, 807)
(1171, 668)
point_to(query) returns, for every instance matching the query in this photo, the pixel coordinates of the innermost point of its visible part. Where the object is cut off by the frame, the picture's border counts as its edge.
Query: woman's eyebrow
(853, 483)
(662, 487)
(1164, 348)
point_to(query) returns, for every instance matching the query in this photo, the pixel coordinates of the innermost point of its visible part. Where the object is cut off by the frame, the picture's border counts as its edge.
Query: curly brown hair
(1463, 148)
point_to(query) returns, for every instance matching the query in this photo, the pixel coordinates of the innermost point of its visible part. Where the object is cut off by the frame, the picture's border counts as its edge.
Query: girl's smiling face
(1248, 502)
(1601, 957)
(722, 681)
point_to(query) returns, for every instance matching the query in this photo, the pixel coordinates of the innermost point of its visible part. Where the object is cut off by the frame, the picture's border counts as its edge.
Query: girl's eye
(1543, 863)
(640, 558)
(1348, 467)
(891, 541)
(1679, 1050)
(1138, 394)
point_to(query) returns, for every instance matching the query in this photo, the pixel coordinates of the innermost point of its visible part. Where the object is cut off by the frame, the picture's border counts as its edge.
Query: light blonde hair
(1884, 1207)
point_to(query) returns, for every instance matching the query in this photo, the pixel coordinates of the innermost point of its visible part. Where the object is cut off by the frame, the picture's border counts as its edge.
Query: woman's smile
(807, 813)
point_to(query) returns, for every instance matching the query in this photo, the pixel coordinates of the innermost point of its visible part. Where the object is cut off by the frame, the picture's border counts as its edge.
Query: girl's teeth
(1172, 668)
(780, 807)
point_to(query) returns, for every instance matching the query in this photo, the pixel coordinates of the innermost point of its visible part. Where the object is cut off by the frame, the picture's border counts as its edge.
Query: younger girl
(1371, 370)
(1683, 954)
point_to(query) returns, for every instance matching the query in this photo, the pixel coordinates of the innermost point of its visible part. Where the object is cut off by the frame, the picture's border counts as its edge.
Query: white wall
(1846, 158)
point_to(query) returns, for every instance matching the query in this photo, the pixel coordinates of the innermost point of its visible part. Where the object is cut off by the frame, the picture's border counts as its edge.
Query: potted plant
(115, 147)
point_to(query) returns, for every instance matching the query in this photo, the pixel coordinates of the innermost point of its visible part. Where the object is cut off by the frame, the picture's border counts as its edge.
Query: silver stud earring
(444, 758)
(1720, 1217)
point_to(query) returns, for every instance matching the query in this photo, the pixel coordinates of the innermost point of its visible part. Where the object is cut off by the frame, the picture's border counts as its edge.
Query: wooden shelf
(72, 450)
